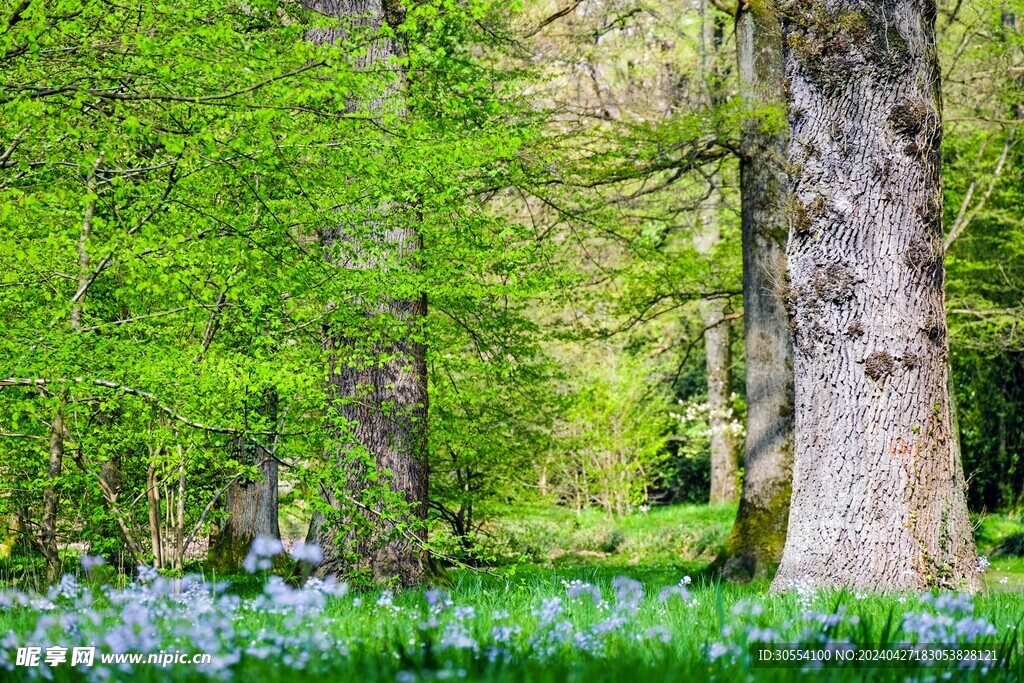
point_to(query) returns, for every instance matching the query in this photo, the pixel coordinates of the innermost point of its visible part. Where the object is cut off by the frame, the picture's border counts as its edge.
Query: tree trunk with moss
(754, 548)
(250, 502)
(878, 488)
(378, 390)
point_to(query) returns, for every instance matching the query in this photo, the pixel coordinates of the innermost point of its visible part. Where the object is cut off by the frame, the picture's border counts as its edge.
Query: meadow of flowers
(539, 625)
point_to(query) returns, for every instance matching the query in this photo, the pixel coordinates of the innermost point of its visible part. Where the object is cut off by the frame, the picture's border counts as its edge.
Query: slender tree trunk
(717, 337)
(110, 480)
(754, 547)
(179, 522)
(724, 452)
(878, 487)
(153, 504)
(382, 402)
(51, 497)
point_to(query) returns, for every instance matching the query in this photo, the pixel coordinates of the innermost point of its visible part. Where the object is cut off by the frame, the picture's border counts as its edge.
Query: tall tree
(754, 547)
(878, 488)
(717, 335)
(378, 389)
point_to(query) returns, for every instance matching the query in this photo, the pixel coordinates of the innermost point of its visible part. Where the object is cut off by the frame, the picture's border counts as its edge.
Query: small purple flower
(436, 598)
(90, 562)
(455, 636)
(668, 591)
(146, 574)
(628, 593)
(503, 634)
(465, 613)
(263, 546)
(716, 651)
(576, 589)
(662, 633)
(262, 550)
(550, 609)
(307, 552)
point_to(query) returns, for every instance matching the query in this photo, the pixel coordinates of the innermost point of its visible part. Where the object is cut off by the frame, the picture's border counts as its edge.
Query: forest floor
(600, 599)
(687, 538)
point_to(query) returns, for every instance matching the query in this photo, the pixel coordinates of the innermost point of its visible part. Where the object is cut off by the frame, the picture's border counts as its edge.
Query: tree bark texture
(250, 504)
(878, 488)
(754, 547)
(379, 393)
(724, 451)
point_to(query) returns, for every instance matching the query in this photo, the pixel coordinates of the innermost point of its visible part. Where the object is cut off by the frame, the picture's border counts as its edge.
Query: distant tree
(250, 502)
(725, 476)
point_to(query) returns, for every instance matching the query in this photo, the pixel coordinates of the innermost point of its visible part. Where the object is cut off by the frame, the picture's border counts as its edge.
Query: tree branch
(145, 395)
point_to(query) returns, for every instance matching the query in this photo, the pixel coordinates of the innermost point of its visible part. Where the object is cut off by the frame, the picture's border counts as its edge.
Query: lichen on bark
(878, 488)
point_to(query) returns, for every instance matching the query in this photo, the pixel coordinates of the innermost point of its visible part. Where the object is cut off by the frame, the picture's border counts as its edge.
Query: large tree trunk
(754, 547)
(250, 504)
(251, 507)
(878, 487)
(380, 392)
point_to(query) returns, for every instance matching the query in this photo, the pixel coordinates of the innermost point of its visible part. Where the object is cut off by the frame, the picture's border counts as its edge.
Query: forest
(546, 340)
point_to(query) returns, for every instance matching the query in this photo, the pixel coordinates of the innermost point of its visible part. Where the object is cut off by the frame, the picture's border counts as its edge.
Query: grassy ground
(565, 616)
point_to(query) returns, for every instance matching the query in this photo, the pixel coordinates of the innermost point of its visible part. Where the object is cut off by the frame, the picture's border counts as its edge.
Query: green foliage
(985, 259)
(164, 196)
(610, 446)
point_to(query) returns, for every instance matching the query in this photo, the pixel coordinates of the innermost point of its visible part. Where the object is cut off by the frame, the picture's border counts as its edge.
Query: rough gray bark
(382, 404)
(250, 503)
(754, 547)
(251, 507)
(878, 488)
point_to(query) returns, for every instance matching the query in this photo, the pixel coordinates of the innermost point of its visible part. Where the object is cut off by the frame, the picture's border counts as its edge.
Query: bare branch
(106, 94)
(964, 217)
(554, 17)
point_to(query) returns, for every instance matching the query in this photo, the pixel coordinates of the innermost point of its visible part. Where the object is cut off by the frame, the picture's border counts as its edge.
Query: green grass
(680, 536)
(371, 642)
(386, 644)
